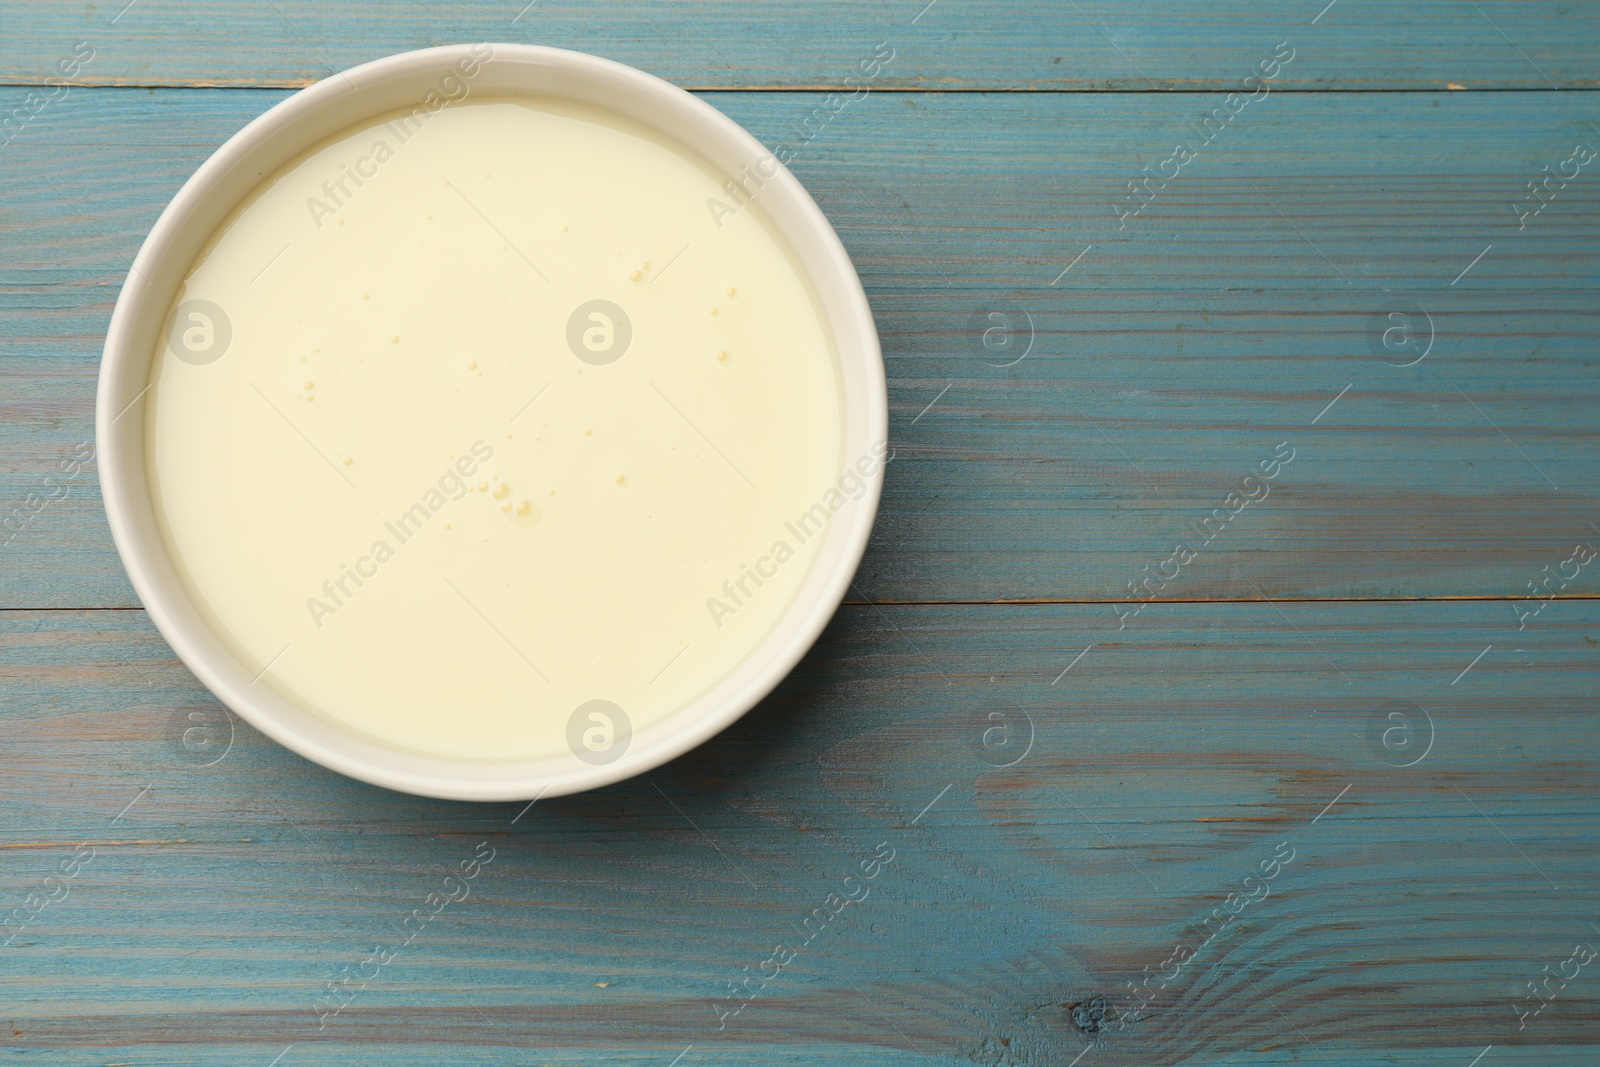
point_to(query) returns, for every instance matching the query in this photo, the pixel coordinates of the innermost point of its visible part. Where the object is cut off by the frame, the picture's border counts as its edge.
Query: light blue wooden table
(1329, 797)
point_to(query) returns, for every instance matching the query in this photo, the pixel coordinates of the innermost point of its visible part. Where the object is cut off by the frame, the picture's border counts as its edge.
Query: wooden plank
(1002, 44)
(1165, 365)
(1071, 790)
(1164, 767)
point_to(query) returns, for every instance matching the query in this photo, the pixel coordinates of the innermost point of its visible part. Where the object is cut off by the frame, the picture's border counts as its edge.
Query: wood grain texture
(1164, 366)
(944, 45)
(1163, 768)
(1071, 788)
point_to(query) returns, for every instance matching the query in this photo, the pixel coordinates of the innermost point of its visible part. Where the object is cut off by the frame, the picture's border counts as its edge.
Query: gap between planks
(301, 83)
(1049, 601)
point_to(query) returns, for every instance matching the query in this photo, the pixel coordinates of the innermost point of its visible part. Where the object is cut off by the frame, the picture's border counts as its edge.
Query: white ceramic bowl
(317, 113)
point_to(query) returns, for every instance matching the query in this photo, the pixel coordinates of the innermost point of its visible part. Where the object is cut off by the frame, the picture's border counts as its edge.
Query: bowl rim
(127, 501)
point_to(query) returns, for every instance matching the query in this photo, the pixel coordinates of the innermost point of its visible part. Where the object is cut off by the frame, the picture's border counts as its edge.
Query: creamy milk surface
(467, 421)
